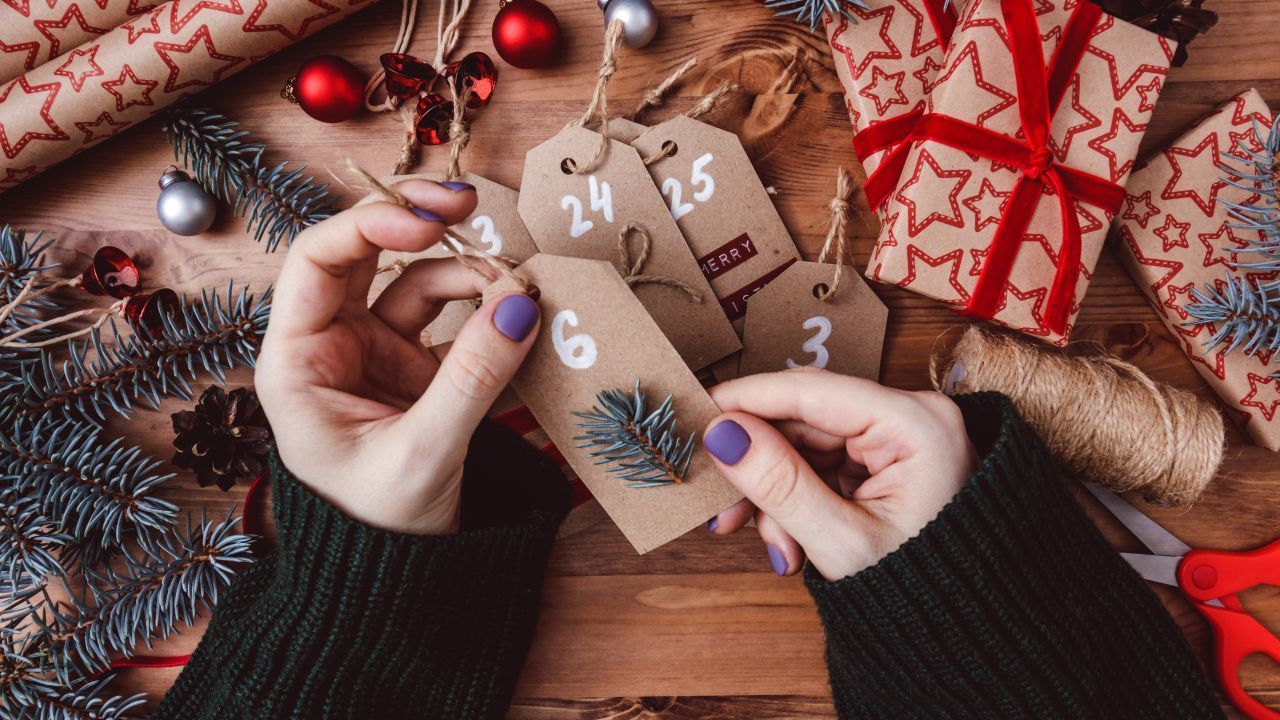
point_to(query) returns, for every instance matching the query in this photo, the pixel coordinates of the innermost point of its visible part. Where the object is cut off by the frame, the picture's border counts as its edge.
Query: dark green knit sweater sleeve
(1009, 605)
(344, 620)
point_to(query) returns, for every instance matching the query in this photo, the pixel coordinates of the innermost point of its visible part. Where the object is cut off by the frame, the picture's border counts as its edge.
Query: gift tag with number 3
(789, 326)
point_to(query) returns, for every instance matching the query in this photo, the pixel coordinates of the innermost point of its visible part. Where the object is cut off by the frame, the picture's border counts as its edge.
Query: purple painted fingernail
(715, 523)
(727, 441)
(515, 316)
(778, 561)
(426, 214)
(457, 186)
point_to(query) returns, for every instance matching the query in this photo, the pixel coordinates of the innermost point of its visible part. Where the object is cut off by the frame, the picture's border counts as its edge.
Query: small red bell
(477, 73)
(148, 310)
(434, 115)
(113, 273)
(406, 75)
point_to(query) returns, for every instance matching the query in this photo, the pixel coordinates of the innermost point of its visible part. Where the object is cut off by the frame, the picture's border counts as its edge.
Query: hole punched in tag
(533, 292)
(669, 148)
(820, 290)
(567, 166)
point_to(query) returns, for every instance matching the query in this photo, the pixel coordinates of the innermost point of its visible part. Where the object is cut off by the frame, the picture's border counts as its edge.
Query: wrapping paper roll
(151, 62)
(33, 32)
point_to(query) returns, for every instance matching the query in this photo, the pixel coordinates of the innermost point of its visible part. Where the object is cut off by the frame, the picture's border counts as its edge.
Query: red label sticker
(727, 256)
(735, 303)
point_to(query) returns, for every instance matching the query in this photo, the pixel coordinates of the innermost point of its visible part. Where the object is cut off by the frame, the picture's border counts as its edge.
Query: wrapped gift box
(1177, 234)
(886, 56)
(1030, 133)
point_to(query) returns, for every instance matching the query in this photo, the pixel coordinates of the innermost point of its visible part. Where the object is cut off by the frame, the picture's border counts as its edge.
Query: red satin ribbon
(894, 133)
(1039, 92)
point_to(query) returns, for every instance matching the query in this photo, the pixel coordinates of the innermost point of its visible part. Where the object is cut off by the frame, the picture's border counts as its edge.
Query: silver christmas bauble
(184, 207)
(639, 20)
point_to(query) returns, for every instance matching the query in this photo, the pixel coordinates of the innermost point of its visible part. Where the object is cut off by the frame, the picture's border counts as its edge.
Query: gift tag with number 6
(595, 335)
(788, 326)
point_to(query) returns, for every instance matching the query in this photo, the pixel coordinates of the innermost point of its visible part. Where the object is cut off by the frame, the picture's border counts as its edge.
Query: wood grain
(699, 628)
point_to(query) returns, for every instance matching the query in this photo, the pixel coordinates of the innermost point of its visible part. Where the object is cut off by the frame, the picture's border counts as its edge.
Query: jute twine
(13, 339)
(597, 111)
(490, 267)
(459, 133)
(633, 270)
(705, 105)
(833, 247)
(1103, 418)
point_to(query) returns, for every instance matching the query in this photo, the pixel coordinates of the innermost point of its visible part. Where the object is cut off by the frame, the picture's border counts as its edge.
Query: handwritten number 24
(815, 344)
(698, 178)
(601, 201)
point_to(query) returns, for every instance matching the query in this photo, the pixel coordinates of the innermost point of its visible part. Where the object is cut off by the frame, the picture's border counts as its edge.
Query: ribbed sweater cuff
(348, 621)
(1009, 604)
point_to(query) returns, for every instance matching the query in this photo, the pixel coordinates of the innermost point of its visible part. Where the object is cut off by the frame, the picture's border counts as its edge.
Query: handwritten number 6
(578, 351)
(815, 344)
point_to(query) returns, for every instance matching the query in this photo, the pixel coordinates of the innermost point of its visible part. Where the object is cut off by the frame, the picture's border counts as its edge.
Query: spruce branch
(211, 333)
(86, 700)
(1262, 215)
(89, 488)
(29, 544)
(1243, 315)
(644, 444)
(31, 689)
(279, 202)
(163, 586)
(812, 12)
(22, 262)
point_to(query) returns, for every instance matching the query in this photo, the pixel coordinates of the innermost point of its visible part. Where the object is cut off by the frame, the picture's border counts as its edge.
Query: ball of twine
(1103, 418)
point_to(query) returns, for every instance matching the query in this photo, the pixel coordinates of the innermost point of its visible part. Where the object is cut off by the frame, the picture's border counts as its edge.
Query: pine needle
(644, 444)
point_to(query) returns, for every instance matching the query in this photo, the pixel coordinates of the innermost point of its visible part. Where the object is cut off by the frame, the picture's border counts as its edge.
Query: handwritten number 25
(815, 344)
(698, 178)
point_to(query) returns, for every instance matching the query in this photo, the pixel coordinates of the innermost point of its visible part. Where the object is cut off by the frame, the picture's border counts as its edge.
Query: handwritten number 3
(488, 236)
(815, 344)
(578, 351)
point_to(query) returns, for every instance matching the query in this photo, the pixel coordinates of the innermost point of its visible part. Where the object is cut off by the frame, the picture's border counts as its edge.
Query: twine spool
(1102, 418)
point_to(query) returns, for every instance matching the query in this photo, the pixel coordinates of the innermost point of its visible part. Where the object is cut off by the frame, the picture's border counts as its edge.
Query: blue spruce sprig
(213, 333)
(811, 12)
(279, 202)
(645, 445)
(22, 260)
(93, 490)
(30, 544)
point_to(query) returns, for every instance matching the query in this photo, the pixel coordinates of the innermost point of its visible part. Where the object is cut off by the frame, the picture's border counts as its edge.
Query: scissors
(1209, 579)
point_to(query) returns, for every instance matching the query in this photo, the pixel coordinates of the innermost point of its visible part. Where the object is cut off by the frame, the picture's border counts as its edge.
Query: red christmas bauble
(329, 88)
(526, 34)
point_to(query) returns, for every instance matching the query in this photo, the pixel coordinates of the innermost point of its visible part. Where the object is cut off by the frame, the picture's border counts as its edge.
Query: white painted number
(488, 236)
(672, 188)
(601, 202)
(577, 352)
(814, 344)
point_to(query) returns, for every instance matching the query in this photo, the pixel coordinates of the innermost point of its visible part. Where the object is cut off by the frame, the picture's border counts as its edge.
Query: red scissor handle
(1209, 574)
(1236, 636)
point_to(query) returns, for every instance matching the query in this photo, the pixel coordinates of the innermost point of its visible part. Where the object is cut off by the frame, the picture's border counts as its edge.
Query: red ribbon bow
(1040, 90)
(894, 133)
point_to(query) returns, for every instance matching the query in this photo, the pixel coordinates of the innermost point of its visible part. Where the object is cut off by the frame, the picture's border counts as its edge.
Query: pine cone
(1180, 20)
(224, 439)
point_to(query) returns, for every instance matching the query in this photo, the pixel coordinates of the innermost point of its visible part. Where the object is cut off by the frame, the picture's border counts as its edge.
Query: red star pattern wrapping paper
(886, 56)
(33, 32)
(952, 207)
(1176, 235)
(151, 62)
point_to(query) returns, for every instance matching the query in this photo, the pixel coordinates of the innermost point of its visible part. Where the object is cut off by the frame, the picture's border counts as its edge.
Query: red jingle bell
(434, 115)
(148, 310)
(327, 88)
(526, 33)
(406, 75)
(476, 73)
(112, 273)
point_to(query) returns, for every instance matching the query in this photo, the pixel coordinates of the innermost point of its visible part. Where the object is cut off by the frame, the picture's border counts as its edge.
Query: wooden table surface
(701, 627)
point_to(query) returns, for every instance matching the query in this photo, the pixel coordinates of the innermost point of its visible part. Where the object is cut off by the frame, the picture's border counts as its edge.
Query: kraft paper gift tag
(495, 227)
(596, 335)
(582, 215)
(713, 192)
(788, 326)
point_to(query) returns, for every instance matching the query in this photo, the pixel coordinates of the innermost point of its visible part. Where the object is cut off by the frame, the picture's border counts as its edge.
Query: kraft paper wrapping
(1176, 234)
(886, 58)
(140, 68)
(943, 216)
(33, 32)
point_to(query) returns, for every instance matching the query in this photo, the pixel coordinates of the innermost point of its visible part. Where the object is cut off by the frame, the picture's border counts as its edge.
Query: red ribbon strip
(894, 133)
(1039, 92)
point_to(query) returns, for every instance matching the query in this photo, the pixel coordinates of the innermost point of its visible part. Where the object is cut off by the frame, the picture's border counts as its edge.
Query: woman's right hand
(842, 469)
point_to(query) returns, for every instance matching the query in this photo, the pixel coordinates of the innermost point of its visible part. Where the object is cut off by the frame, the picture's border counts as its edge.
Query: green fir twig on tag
(645, 445)
(279, 202)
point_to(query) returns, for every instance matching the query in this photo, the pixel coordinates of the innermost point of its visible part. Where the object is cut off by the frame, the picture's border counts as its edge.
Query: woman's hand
(839, 468)
(362, 412)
